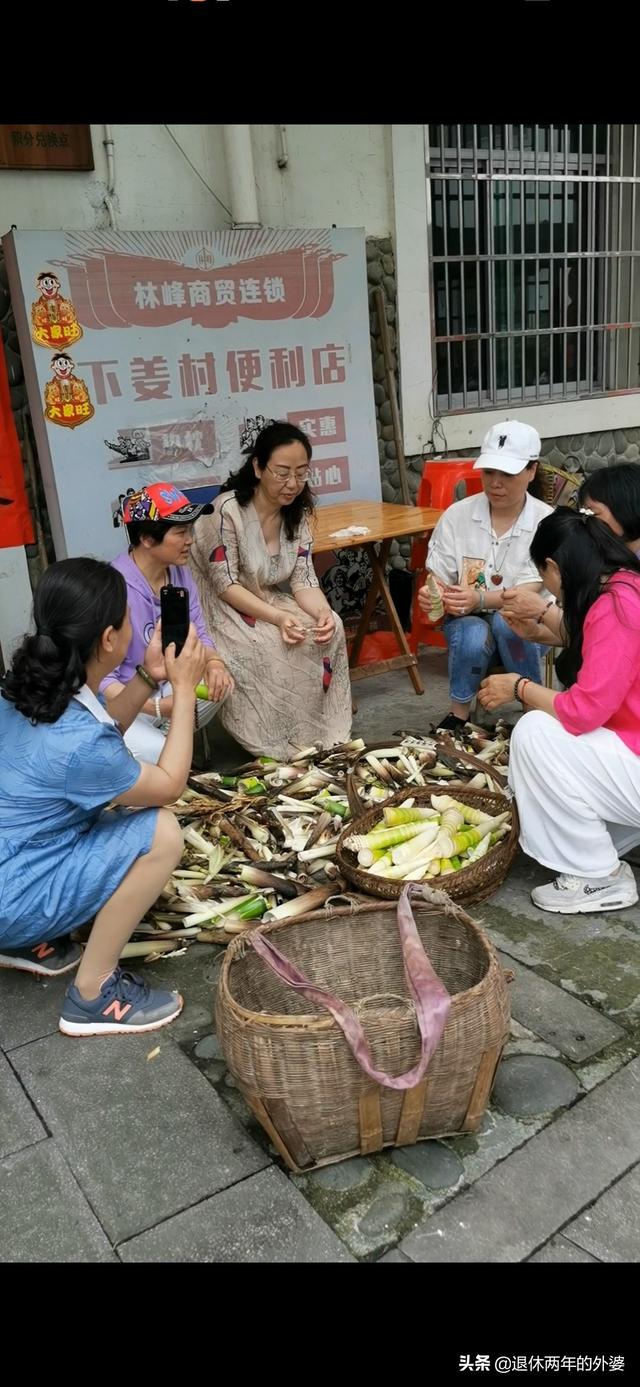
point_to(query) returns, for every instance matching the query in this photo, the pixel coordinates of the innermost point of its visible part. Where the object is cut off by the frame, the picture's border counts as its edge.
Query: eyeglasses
(282, 475)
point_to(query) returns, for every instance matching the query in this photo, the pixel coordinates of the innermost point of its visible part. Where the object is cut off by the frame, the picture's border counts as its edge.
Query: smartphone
(174, 616)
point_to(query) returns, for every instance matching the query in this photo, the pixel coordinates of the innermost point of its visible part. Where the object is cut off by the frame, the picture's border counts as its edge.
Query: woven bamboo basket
(468, 885)
(292, 1062)
(445, 744)
(558, 487)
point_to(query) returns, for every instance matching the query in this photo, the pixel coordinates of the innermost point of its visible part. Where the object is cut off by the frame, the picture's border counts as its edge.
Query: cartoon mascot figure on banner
(66, 397)
(53, 318)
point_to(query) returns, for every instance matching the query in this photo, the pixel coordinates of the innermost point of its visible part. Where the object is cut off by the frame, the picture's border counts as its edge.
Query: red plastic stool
(438, 486)
(440, 479)
(379, 645)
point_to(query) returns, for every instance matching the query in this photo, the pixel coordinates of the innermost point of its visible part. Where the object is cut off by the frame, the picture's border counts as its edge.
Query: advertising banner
(148, 355)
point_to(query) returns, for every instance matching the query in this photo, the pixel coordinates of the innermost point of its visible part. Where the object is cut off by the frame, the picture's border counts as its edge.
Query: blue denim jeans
(473, 641)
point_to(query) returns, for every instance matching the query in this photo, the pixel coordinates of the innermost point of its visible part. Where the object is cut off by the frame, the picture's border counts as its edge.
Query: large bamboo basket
(469, 885)
(292, 1062)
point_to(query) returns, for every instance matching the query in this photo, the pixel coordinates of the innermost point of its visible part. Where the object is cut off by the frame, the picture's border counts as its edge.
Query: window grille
(533, 248)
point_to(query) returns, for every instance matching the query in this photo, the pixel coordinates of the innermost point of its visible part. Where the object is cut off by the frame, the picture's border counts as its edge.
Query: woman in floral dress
(273, 625)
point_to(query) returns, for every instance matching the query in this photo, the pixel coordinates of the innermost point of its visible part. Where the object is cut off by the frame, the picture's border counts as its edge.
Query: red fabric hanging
(16, 526)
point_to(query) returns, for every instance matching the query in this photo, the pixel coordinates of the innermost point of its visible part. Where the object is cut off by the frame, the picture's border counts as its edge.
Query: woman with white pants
(575, 758)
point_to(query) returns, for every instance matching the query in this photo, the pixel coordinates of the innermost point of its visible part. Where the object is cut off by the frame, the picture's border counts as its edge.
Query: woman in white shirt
(479, 548)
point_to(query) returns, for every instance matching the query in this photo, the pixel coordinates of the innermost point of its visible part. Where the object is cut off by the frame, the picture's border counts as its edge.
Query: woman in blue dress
(65, 856)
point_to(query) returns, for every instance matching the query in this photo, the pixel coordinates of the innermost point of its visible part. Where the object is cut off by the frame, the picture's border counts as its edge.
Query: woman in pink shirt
(575, 759)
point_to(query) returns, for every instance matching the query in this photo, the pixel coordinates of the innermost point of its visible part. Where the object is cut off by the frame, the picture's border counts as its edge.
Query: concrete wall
(156, 190)
(335, 174)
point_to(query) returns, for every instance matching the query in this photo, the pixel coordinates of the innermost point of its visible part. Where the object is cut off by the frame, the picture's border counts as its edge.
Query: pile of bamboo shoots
(260, 844)
(417, 843)
(473, 757)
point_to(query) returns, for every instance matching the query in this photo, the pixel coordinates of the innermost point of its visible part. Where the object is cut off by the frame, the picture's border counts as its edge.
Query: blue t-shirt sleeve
(100, 769)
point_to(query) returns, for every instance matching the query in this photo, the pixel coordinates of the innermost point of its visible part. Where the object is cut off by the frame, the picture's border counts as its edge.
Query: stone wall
(584, 452)
(593, 450)
(381, 275)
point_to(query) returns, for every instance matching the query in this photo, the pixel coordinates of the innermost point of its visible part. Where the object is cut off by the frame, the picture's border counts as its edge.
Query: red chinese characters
(320, 425)
(111, 290)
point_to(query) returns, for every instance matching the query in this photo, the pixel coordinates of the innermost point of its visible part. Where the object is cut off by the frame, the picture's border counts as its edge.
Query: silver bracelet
(483, 600)
(157, 703)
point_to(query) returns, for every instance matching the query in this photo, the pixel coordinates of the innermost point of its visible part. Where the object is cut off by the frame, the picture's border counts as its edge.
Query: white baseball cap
(509, 447)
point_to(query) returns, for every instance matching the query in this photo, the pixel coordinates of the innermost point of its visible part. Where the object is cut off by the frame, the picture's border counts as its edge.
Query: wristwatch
(151, 683)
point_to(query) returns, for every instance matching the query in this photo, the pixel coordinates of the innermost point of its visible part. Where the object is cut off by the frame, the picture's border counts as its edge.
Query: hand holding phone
(174, 616)
(185, 670)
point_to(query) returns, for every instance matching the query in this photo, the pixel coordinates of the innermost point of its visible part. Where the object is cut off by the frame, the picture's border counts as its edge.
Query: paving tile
(610, 1229)
(522, 1202)
(527, 1085)
(19, 1125)
(395, 1255)
(193, 974)
(431, 1162)
(342, 1175)
(44, 1217)
(559, 1249)
(263, 1219)
(144, 1138)
(577, 1030)
(29, 1006)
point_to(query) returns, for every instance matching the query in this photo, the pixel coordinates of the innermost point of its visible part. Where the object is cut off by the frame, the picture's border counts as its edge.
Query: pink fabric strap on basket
(431, 999)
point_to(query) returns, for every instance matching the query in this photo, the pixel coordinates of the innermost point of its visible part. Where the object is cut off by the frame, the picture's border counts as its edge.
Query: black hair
(587, 553)
(617, 487)
(535, 487)
(277, 434)
(156, 529)
(73, 604)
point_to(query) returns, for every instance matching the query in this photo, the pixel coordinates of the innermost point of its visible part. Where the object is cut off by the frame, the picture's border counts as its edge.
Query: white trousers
(145, 738)
(578, 797)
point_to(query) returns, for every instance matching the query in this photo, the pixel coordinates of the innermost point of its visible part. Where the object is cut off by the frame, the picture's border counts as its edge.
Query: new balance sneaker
(49, 959)
(569, 895)
(126, 1006)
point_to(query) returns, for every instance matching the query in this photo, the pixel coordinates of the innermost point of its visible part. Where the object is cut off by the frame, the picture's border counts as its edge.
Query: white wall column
(412, 277)
(240, 172)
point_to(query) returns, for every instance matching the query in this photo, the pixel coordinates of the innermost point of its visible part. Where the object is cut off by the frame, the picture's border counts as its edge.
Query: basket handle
(431, 999)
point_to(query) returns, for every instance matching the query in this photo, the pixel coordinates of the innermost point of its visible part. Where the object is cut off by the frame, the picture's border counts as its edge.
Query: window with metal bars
(533, 249)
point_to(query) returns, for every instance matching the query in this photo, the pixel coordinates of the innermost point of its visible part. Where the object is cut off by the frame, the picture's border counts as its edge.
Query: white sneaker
(569, 895)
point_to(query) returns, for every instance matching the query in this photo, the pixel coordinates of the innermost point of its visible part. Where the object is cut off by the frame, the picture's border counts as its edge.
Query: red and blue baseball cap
(161, 501)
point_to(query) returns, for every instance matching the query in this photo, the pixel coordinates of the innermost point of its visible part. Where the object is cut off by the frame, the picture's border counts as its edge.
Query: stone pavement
(112, 1152)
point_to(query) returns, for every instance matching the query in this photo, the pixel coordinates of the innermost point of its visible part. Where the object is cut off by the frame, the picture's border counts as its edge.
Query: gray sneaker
(49, 959)
(569, 895)
(126, 1006)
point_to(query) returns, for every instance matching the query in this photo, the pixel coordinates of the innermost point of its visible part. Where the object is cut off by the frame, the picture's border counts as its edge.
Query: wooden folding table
(384, 522)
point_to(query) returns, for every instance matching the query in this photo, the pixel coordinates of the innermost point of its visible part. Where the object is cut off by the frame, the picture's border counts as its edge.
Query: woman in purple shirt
(159, 521)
